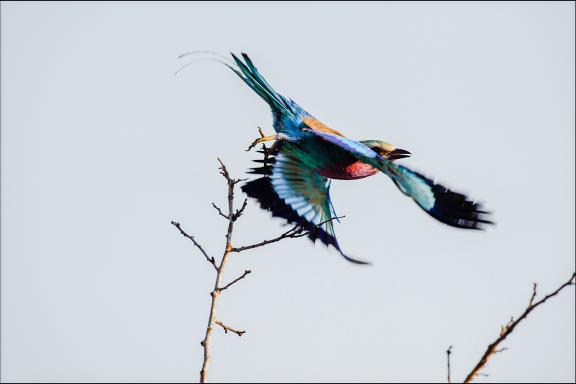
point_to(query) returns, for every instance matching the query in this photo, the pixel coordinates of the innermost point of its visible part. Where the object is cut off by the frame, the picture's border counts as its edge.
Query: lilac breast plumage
(353, 171)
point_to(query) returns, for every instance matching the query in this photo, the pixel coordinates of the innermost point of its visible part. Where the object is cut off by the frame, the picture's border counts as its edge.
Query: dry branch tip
(507, 329)
(227, 328)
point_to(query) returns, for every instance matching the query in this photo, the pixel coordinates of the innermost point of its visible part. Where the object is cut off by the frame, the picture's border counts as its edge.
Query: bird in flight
(306, 154)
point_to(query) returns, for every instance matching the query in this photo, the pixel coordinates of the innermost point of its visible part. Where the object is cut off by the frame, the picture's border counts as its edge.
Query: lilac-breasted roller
(307, 153)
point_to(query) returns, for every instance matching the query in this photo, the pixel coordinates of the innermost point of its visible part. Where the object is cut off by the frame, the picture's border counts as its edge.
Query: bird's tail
(249, 74)
(449, 207)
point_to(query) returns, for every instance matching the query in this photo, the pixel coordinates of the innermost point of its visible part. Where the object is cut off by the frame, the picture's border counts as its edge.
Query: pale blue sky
(102, 146)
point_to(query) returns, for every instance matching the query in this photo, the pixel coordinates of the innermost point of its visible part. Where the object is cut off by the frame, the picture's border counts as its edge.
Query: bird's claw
(263, 138)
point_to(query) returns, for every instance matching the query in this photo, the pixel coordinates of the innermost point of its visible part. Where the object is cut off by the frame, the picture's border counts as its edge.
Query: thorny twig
(232, 216)
(508, 329)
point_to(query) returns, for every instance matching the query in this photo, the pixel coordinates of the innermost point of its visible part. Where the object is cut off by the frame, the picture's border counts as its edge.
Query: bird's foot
(263, 138)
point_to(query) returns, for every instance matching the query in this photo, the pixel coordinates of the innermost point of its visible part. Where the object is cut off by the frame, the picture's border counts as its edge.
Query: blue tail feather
(252, 77)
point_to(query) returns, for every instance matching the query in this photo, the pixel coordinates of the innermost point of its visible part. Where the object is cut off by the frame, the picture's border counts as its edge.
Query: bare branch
(223, 170)
(296, 231)
(533, 294)
(246, 272)
(511, 325)
(293, 233)
(240, 211)
(231, 216)
(448, 352)
(219, 211)
(208, 258)
(219, 269)
(227, 328)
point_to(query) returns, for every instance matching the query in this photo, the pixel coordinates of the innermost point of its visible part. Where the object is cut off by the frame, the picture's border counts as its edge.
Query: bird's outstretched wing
(449, 207)
(295, 192)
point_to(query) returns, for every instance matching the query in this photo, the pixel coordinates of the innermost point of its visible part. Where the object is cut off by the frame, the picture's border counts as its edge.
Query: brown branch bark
(507, 329)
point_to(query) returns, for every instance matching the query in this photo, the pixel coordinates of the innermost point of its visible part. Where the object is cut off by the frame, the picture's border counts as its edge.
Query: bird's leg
(262, 139)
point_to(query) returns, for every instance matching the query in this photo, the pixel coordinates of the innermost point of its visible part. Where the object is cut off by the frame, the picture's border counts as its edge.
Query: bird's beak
(398, 154)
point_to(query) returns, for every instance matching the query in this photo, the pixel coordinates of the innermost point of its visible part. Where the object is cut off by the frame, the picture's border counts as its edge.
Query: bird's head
(386, 150)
